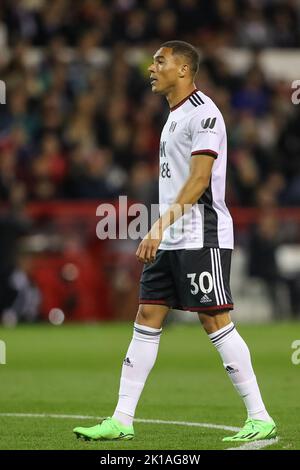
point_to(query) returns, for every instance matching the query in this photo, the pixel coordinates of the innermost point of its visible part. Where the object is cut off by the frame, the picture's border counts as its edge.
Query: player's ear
(183, 70)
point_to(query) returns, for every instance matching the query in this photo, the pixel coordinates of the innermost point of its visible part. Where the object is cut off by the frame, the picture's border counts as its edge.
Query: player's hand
(147, 249)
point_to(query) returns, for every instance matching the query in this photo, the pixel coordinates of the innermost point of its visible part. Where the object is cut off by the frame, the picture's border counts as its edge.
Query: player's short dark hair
(187, 50)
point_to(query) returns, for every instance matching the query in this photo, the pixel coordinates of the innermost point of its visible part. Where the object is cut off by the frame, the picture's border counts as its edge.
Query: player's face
(164, 70)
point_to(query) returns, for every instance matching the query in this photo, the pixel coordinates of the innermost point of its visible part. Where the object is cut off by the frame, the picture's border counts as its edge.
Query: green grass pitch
(75, 370)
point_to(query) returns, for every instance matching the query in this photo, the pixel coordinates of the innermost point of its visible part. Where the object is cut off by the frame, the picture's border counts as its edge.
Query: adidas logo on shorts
(205, 299)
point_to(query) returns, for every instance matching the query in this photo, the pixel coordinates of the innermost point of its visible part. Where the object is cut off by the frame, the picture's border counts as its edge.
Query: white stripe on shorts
(218, 276)
(214, 276)
(221, 275)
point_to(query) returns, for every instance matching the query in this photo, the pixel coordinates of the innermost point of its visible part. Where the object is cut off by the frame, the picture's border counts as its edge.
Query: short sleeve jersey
(195, 127)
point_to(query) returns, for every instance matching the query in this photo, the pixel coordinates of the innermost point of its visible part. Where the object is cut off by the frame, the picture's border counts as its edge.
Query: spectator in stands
(69, 94)
(283, 292)
(80, 122)
(19, 298)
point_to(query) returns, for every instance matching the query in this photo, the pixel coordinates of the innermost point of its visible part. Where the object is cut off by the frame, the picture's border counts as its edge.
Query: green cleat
(254, 430)
(109, 429)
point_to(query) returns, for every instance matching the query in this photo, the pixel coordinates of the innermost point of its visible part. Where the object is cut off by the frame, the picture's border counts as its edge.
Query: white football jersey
(195, 127)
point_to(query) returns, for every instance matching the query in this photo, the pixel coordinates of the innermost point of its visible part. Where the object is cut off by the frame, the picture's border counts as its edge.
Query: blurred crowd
(240, 23)
(81, 123)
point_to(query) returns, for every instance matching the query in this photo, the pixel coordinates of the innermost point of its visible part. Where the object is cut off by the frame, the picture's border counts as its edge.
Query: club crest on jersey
(208, 123)
(172, 126)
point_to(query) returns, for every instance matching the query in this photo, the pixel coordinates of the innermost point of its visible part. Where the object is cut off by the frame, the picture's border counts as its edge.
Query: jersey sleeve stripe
(197, 98)
(209, 152)
(194, 102)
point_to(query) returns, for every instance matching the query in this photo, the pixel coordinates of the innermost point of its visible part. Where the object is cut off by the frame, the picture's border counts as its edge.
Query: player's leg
(206, 290)
(215, 321)
(151, 316)
(156, 293)
(139, 360)
(236, 359)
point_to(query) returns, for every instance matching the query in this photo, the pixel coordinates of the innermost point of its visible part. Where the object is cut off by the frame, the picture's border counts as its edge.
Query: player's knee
(207, 322)
(213, 323)
(145, 314)
(151, 315)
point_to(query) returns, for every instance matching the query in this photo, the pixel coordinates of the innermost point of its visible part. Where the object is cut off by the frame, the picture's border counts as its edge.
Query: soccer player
(187, 253)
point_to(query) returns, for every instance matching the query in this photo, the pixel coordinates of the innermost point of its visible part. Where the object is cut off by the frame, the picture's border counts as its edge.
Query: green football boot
(109, 429)
(254, 430)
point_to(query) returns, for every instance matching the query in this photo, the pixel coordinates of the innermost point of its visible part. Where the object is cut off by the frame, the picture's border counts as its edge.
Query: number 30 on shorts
(204, 283)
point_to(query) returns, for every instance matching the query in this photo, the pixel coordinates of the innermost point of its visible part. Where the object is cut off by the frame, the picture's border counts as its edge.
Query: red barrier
(73, 283)
(87, 209)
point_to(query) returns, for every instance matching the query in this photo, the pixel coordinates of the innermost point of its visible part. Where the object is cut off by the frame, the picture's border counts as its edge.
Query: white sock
(140, 359)
(237, 362)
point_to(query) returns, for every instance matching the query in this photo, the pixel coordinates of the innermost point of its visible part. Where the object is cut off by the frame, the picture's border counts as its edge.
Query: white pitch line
(249, 446)
(154, 421)
(255, 445)
(186, 423)
(47, 415)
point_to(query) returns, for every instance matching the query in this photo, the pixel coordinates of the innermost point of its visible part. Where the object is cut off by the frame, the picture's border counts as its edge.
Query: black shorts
(196, 280)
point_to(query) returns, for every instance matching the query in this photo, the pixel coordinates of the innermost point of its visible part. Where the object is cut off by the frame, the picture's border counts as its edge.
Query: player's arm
(197, 182)
(189, 194)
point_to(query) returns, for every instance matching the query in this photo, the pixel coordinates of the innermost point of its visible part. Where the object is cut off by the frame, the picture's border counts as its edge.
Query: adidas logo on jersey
(231, 370)
(205, 299)
(127, 362)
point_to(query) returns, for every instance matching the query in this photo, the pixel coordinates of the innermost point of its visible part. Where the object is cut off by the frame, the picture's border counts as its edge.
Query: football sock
(237, 362)
(140, 359)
